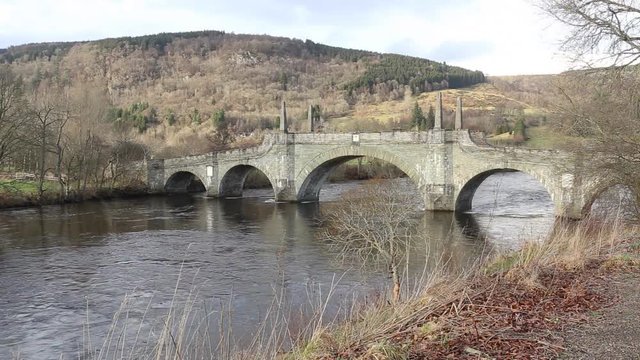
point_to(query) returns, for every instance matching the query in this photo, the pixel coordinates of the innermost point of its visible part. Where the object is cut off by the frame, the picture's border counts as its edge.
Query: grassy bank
(23, 193)
(509, 306)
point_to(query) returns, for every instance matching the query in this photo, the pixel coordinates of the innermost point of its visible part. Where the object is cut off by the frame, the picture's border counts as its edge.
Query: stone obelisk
(438, 121)
(283, 117)
(458, 125)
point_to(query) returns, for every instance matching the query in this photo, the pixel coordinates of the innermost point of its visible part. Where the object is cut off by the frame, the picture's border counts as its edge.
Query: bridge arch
(468, 188)
(232, 183)
(316, 171)
(599, 188)
(184, 182)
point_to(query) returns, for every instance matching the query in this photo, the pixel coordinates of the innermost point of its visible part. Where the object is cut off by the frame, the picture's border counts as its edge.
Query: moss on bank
(24, 193)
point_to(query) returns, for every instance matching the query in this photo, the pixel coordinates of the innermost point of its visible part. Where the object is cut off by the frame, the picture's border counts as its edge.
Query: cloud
(496, 36)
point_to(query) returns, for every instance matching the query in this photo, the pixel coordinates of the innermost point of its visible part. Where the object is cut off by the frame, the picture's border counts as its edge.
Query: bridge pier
(155, 175)
(285, 190)
(439, 198)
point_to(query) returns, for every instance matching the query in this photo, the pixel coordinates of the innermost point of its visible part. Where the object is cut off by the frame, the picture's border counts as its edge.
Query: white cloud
(496, 36)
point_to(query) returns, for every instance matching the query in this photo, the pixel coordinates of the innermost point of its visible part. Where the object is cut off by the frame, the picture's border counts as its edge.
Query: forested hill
(168, 84)
(233, 71)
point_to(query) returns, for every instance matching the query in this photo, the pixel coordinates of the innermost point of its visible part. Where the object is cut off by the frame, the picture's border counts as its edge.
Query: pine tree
(223, 134)
(431, 118)
(417, 118)
(519, 133)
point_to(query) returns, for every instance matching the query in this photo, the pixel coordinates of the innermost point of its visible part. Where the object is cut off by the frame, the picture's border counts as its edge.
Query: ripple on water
(57, 262)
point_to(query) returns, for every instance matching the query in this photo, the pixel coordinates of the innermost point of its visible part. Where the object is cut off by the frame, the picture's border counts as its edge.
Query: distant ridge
(420, 74)
(177, 83)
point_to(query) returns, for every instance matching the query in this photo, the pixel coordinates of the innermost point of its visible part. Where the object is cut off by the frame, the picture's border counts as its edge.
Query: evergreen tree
(519, 133)
(153, 115)
(283, 79)
(315, 113)
(195, 117)
(417, 118)
(223, 136)
(431, 118)
(171, 118)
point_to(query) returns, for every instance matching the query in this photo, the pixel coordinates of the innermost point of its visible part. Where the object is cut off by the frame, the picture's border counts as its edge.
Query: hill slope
(165, 89)
(246, 75)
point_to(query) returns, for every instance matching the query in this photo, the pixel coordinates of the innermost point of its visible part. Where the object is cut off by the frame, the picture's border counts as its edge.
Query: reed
(372, 329)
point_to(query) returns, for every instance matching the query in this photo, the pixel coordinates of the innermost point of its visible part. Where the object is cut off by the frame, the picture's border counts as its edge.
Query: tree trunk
(395, 278)
(61, 182)
(43, 153)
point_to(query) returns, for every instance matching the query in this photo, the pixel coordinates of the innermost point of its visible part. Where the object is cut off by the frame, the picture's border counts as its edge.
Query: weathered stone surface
(458, 123)
(438, 120)
(284, 125)
(447, 166)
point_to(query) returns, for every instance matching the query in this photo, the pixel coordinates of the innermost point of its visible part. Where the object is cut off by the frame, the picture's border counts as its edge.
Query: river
(65, 270)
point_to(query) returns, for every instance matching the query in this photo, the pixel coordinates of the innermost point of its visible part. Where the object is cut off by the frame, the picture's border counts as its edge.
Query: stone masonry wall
(440, 162)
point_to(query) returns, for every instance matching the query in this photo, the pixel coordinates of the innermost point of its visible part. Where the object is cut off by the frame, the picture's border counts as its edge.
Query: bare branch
(374, 226)
(599, 28)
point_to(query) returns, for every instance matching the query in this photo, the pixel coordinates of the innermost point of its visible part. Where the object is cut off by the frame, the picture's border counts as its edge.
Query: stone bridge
(447, 166)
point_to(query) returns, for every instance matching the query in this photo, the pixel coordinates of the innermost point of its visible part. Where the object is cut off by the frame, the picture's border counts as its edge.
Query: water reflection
(57, 259)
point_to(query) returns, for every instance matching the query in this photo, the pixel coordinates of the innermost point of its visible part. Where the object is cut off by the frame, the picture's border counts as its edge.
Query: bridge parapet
(253, 152)
(190, 160)
(391, 137)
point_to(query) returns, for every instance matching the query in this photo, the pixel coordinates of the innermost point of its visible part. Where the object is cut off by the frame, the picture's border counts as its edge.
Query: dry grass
(371, 327)
(442, 314)
(570, 247)
(504, 308)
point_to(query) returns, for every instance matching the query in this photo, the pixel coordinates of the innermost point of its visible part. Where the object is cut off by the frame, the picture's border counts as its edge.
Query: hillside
(167, 87)
(166, 90)
(493, 107)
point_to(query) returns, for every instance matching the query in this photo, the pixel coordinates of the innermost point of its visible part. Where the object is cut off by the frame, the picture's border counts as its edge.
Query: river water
(65, 270)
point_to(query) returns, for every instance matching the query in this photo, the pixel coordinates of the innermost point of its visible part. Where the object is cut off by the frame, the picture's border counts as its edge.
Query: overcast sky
(499, 37)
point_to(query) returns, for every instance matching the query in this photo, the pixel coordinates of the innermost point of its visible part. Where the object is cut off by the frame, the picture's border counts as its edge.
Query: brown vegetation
(172, 85)
(509, 307)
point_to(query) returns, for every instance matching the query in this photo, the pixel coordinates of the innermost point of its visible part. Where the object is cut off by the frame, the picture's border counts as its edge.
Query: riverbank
(570, 296)
(18, 194)
(520, 305)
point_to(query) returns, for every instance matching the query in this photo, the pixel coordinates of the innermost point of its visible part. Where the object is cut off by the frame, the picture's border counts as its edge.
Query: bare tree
(374, 225)
(13, 109)
(50, 114)
(600, 30)
(124, 154)
(601, 109)
(85, 138)
(602, 106)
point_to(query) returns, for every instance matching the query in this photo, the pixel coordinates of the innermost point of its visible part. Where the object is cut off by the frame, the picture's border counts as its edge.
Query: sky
(499, 37)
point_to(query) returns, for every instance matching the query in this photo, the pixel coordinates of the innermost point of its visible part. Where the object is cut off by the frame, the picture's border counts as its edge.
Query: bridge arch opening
(184, 182)
(241, 177)
(616, 200)
(346, 168)
(507, 192)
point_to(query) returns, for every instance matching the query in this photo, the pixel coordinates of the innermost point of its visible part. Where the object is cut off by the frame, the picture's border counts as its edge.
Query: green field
(543, 137)
(26, 187)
